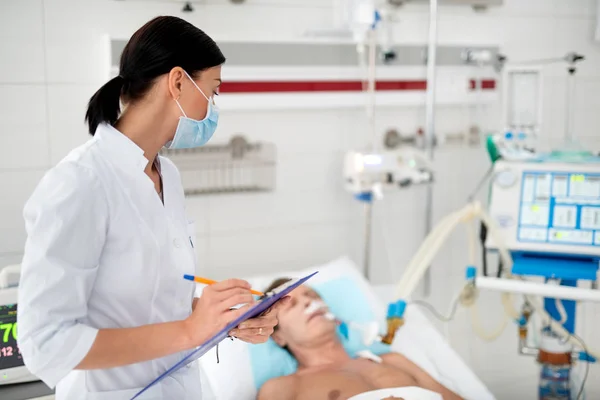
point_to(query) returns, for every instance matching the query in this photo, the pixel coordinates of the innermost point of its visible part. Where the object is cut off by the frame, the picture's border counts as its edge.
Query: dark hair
(157, 47)
(275, 284)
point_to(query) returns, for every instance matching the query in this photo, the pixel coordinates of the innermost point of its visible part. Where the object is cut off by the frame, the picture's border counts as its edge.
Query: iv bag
(362, 18)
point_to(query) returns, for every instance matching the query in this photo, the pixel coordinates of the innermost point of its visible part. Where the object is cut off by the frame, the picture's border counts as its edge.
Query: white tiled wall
(53, 56)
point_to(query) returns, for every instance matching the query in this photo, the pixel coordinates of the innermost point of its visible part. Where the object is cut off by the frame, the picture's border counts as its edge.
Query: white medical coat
(104, 252)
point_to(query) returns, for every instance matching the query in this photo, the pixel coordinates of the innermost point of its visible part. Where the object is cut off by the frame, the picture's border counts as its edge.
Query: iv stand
(430, 127)
(572, 59)
(371, 90)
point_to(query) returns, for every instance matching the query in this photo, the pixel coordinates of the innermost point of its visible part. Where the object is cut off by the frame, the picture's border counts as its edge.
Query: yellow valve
(393, 324)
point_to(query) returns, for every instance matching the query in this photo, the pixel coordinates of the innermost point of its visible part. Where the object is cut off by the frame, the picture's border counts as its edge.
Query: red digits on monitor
(6, 351)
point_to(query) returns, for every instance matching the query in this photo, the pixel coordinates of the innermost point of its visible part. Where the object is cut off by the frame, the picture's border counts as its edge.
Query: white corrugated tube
(431, 246)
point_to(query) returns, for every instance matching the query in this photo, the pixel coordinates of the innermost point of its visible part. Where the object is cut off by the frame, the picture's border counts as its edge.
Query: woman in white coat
(103, 306)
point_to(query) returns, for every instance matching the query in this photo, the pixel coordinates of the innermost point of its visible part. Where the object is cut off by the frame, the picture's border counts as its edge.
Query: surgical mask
(192, 133)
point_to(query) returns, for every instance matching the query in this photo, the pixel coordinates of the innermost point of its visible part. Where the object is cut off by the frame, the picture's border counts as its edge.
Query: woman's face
(194, 102)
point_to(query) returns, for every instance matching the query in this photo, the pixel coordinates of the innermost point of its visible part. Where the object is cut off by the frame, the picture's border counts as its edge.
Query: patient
(325, 370)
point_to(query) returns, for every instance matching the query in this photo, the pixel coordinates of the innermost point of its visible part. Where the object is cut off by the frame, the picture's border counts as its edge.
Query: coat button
(176, 243)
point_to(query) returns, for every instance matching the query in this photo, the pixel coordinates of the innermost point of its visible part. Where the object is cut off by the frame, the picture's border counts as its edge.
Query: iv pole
(430, 123)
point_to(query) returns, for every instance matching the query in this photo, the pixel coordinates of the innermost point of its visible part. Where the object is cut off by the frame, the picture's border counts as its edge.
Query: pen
(210, 282)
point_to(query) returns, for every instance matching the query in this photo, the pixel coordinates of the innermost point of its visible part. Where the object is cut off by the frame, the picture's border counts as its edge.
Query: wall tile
(20, 185)
(262, 251)
(252, 211)
(310, 172)
(579, 39)
(84, 57)
(575, 8)
(23, 127)
(7, 259)
(291, 131)
(67, 105)
(22, 42)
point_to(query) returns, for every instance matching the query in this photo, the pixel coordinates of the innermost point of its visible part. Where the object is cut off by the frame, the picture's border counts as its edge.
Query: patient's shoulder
(394, 359)
(278, 388)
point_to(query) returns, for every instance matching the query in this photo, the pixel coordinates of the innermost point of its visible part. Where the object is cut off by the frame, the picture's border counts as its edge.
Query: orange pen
(210, 282)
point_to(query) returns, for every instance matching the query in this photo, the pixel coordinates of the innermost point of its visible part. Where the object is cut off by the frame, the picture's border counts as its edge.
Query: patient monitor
(12, 367)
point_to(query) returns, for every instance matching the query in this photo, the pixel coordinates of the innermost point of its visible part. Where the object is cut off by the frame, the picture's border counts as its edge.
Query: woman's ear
(174, 82)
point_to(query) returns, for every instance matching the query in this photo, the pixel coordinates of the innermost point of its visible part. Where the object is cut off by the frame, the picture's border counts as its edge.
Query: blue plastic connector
(344, 331)
(583, 356)
(521, 321)
(470, 273)
(391, 310)
(508, 136)
(376, 19)
(400, 308)
(366, 197)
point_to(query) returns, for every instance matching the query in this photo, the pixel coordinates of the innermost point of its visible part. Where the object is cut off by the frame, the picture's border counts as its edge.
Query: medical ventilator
(544, 221)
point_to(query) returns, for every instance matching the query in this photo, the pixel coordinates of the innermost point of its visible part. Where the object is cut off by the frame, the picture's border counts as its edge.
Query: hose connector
(470, 273)
(586, 357)
(395, 320)
(524, 320)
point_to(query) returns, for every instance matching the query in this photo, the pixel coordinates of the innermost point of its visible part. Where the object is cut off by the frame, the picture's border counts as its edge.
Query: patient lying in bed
(325, 370)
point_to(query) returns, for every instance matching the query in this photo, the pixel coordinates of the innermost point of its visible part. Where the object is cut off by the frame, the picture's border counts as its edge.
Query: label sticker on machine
(560, 208)
(571, 236)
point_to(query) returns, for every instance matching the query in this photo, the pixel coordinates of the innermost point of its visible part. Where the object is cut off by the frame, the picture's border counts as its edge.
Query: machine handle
(5, 274)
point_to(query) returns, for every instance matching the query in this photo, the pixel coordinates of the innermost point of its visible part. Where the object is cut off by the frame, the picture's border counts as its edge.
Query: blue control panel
(560, 208)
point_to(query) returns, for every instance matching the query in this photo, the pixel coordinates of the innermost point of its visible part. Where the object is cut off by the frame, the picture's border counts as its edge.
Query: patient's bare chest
(350, 379)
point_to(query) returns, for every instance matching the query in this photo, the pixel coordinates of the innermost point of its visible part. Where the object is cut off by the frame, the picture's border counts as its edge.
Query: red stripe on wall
(318, 86)
(486, 84)
(333, 86)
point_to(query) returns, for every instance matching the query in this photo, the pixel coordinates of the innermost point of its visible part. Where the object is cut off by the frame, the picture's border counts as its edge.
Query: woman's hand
(212, 311)
(258, 330)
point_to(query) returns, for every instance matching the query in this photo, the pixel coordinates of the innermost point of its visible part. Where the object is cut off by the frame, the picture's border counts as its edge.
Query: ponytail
(154, 50)
(104, 106)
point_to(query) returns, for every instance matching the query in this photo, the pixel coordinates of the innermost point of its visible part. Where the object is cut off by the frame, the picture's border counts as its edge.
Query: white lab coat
(104, 252)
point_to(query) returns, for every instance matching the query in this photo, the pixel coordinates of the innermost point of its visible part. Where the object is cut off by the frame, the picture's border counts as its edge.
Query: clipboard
(254, 311)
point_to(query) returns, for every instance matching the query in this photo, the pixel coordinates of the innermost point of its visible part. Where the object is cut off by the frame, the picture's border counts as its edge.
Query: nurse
(103, 306)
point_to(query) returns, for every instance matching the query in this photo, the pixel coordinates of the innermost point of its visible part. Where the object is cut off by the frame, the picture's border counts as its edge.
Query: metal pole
(372, 46)
(368, 234)
(372, 37)
(570, 99)
(430, 120)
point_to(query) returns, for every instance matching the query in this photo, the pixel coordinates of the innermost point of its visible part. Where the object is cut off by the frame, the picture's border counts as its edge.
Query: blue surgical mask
(192, 133)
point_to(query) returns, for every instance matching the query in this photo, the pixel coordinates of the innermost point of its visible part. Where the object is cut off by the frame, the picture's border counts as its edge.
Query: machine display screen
(10, 356)
(560, 208)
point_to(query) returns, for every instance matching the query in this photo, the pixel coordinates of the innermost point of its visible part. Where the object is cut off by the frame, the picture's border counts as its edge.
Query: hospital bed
(242, 368)
(239, 372)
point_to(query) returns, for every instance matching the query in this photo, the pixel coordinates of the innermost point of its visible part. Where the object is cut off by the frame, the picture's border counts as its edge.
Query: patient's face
(297, 327)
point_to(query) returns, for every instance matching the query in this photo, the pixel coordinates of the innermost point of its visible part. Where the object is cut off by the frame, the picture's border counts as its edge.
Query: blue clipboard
(253, 312)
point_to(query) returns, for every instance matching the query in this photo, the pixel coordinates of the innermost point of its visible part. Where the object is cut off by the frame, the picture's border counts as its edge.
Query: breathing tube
(428, 250)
